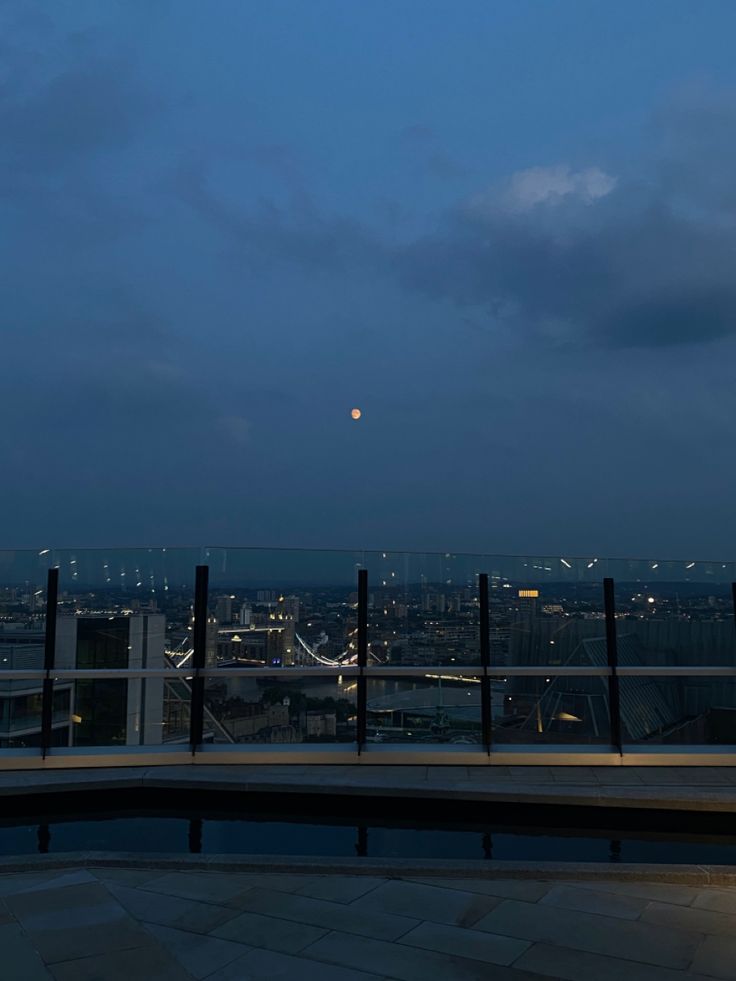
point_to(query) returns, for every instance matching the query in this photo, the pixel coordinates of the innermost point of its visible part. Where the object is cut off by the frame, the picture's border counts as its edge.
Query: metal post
(199, 640)
(362, 699)
(486, 719)
(49, 657)
(733, 595)
(614, 700)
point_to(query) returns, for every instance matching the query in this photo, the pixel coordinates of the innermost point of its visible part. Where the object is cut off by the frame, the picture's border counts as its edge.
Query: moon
(356, 414)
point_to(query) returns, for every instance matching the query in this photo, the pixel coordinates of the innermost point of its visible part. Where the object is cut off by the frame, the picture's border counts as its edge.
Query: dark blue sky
(506, 230)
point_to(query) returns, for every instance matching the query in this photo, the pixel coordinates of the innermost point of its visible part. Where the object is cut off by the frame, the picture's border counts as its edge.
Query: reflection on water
(179, 835)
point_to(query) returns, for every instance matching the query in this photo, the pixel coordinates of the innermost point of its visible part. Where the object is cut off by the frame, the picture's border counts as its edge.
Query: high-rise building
(246, 613)
(224, 609)
(114, 711)
(22, 649)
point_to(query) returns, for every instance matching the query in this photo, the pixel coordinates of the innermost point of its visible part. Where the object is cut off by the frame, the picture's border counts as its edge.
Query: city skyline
(504, 231)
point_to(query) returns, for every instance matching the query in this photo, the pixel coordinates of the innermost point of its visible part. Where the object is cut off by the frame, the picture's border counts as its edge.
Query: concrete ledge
(664, 788)
(695, 875)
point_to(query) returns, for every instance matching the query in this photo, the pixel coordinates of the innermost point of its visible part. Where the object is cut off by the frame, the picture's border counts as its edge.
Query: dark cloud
(590, 257)
(295, 232)
(65, 96)
(89, 107)
(569, 257)
(625, 269)
(423, 146)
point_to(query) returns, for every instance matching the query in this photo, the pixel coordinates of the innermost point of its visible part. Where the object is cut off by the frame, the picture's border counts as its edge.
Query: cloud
(536, 186)
(266, 231)
(92, 106)
(424, 147)
(638, 256)
(65, 96)
(587, 257)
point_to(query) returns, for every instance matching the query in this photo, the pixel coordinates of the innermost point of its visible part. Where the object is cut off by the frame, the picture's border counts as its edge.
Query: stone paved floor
(145, 925)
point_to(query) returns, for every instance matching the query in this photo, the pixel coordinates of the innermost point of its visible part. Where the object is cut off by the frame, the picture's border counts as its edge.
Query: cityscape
(280, 663)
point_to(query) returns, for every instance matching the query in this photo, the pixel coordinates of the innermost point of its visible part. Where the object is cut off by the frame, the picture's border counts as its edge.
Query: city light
(356, 414)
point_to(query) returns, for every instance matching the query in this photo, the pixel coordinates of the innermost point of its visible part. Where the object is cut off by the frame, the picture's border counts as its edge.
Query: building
(267, 644)
(318, 725)
(224, 609)
(114, 711)
(22, 649)
(291, 608)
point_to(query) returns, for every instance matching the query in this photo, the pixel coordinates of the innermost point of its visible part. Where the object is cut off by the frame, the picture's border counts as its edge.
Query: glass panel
(687, 711)
(676, 613)
(424, 708)
(423, 608)
(550, 710)
(546, 611)
(124, 609)
(22, 619)
(275, 709)
(283, 607)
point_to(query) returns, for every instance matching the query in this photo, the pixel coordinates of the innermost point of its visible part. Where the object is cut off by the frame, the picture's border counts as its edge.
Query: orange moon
(356, 413)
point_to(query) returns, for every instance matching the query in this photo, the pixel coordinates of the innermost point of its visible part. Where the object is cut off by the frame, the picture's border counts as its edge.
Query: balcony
(148, 657)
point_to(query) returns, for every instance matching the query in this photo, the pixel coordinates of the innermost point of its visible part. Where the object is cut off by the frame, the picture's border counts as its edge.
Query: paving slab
(646, 943)
(340, 888)
(669, 892)
(210, 887)
(526, 889)
(266, 965)
(428, 902)
(596, 901)
(281, 882)
(197, 954)
(151, 962)
(403, 962)
(75, 921)
(20, 959)
(257, 930)
(125, 877)
(29, 881)
(718, 900)
(576, 965)
(716, 957)
(689, 918)
(486, 947)
(172, 911)
(362, 921)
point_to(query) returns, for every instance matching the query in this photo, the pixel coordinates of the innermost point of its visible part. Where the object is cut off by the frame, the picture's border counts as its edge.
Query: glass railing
(119, 656)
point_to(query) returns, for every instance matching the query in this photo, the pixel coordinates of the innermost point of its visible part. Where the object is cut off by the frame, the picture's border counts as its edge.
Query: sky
(506, 231)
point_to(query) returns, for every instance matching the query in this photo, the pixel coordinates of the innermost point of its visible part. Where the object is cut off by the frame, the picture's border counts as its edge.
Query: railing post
(614, 700)
(49, 658)
(199, 643)
(733, 596)
(362, 699)
(486, 721)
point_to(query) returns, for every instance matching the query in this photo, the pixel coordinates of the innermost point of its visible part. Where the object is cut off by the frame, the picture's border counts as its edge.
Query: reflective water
(255, 835)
